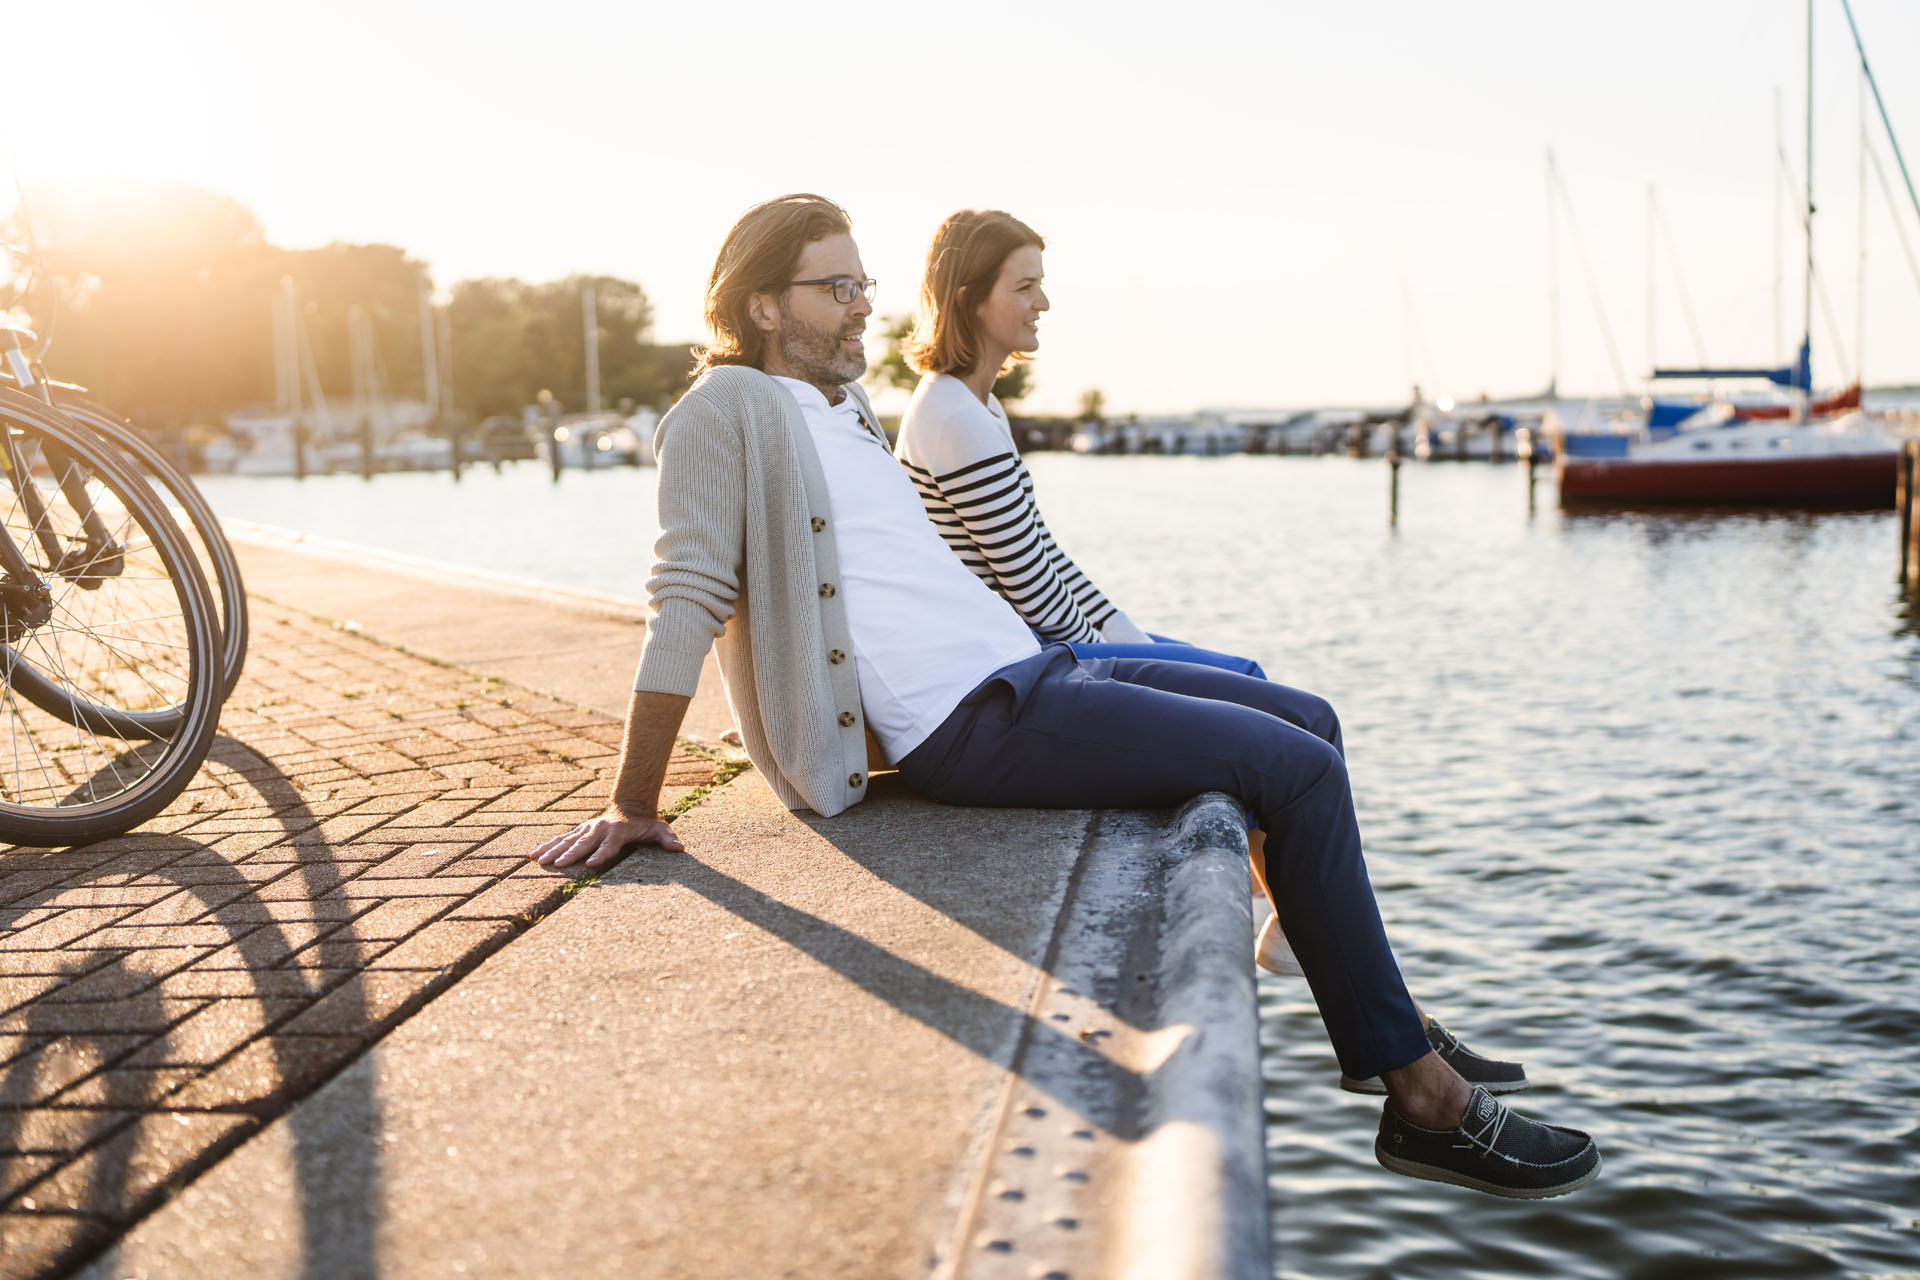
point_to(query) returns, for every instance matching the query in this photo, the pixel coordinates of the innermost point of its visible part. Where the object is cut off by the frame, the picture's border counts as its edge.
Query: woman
(980, 306)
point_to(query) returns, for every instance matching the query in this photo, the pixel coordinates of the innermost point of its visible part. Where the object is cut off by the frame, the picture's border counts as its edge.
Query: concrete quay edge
(1171, 1181)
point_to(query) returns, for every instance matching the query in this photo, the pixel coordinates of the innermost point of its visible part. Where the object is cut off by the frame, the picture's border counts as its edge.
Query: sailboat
(1817, 451)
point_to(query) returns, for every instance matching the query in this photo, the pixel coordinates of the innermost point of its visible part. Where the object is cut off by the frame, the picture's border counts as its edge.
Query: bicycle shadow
(109, 1111)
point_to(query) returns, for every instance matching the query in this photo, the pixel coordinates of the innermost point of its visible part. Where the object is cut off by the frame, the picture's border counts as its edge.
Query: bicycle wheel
(107, 632)
(190, 508)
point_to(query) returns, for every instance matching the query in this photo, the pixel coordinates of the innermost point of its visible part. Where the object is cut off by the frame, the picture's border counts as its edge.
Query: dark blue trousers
(1053, 732)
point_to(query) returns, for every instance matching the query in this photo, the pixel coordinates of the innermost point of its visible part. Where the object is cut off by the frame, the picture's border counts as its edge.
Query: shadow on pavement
(145, 1117)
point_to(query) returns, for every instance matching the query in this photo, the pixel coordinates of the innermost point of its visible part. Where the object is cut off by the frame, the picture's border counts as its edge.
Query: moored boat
(1844, 461)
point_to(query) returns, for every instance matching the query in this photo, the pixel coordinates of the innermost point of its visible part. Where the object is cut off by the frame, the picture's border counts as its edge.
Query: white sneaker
(1272, 952)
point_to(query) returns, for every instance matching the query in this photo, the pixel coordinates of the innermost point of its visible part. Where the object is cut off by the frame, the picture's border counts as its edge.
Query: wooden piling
(1393, 482)
(366, 448)
(1909, 511)
(1903, 505)
(1529, 448)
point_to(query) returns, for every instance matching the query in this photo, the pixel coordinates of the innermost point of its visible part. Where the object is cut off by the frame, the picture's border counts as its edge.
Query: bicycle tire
(71, 676)
(221, 567)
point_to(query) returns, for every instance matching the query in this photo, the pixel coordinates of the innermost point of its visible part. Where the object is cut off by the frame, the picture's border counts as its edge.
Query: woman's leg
(1172, 651)
(1131, 733)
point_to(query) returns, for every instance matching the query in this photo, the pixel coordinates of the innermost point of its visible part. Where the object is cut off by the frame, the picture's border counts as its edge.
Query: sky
(1251, 204)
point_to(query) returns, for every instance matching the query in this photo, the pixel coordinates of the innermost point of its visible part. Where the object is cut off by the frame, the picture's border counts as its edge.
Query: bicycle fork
(95, 556)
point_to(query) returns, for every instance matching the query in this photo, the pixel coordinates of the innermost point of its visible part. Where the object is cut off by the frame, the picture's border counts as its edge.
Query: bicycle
(108, 629)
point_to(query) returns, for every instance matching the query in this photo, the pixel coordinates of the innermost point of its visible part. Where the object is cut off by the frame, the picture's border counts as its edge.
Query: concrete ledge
(913, 1040)
(1199, 1202)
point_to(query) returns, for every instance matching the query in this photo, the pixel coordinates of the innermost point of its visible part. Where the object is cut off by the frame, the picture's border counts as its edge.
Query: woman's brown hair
(759, 255)
(967, 253)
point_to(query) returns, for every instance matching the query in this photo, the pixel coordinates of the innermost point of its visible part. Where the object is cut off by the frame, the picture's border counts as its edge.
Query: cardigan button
(853, 779)
(818, 524)
(846, 719)
(836, 657)
(826, 591)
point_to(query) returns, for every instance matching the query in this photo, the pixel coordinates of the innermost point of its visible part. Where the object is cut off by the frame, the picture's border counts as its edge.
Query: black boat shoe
(1493, 1150)
(1489, 1074)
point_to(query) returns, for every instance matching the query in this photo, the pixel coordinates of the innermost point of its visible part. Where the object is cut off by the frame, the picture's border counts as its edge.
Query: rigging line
(1680, 281)
(1886, 189)
(1593, 288)
(1860, 45)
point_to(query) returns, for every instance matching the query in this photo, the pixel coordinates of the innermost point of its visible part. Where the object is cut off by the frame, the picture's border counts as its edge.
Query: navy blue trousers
(1054, 732)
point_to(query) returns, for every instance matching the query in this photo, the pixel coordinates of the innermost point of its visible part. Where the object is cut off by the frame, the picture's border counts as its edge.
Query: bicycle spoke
(52, 789)
(91, 736)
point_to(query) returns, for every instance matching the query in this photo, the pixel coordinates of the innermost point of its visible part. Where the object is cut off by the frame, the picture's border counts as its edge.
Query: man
(792, 540)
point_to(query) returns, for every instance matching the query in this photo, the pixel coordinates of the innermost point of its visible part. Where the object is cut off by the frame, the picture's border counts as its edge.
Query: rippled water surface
(1641, 795)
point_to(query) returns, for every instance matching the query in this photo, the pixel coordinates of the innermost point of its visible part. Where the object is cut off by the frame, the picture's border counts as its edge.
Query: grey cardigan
(746, 560)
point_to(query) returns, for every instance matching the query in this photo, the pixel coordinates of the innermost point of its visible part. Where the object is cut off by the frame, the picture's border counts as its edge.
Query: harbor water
(1641, 796)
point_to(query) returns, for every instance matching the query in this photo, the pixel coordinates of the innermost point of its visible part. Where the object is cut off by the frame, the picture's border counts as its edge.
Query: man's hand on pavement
(600, 841)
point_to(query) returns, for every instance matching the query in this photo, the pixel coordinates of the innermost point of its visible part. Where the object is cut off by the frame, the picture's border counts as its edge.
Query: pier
(353, 1032)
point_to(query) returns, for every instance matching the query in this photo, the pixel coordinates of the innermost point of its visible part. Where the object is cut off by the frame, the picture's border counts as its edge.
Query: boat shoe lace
(1492, 1149)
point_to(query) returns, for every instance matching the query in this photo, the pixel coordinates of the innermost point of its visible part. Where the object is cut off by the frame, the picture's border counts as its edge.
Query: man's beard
(815, 354)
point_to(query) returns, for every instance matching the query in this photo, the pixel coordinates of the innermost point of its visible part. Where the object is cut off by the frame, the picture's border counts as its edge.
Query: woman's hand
(599, 841)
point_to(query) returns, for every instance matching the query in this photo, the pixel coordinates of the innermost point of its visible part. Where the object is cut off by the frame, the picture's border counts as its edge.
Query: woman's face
(1009, 318)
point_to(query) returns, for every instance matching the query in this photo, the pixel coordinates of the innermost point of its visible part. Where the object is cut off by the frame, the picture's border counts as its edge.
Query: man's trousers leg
(1119, 733)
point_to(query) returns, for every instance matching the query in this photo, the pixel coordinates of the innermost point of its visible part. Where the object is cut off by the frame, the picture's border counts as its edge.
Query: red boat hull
(1844, 479)
(1840, 402)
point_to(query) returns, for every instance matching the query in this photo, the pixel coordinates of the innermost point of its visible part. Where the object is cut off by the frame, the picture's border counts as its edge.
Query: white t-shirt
(926, 632)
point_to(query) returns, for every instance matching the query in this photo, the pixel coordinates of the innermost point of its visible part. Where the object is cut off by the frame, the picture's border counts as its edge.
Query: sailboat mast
(1860, 280)
(429, 355)
(1806, 334)
(1779, 234)
(1651, 359)
(1553, 283)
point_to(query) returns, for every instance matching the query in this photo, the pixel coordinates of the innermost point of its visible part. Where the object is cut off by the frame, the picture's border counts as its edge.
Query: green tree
(1093, 405)
(1015, 383)
(892, 369)
(511, 340)
(383, 282)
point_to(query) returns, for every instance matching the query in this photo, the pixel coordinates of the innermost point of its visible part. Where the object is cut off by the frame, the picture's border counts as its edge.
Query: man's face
(809, 335)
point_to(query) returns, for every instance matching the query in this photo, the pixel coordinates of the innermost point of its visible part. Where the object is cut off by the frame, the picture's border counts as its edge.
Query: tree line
(160, 300)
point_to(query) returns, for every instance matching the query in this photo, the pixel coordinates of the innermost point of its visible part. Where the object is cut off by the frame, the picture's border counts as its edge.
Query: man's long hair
(962, 265)
(760, 255)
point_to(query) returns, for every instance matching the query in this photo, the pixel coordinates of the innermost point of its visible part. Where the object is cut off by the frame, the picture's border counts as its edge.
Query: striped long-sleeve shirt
(977, 492)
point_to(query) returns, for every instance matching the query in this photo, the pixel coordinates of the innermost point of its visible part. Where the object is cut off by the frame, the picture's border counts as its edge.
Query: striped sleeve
(986, 513)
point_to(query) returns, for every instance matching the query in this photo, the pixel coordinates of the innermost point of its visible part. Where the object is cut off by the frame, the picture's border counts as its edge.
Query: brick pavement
(355, 843)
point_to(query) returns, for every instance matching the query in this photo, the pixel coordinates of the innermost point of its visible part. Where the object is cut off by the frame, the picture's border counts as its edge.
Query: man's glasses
(845, 288)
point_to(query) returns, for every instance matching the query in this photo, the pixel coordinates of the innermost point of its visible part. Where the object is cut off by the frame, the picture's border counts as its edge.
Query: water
(1640, 794)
